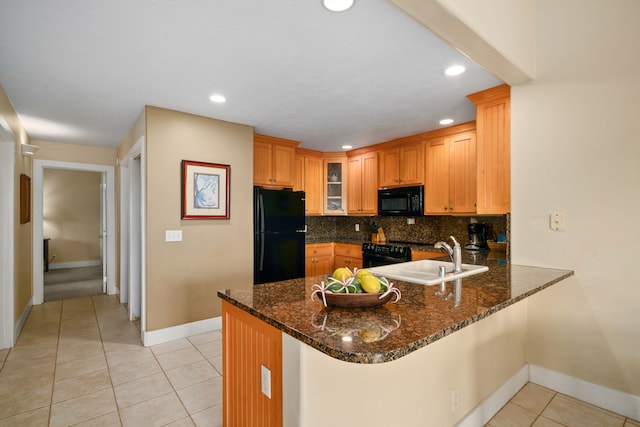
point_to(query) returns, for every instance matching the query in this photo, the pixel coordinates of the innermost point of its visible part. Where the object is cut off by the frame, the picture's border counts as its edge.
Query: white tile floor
(80, 362)
(538, 406)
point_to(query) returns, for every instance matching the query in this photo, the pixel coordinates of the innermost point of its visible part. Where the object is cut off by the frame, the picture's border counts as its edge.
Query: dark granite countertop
(386, 333)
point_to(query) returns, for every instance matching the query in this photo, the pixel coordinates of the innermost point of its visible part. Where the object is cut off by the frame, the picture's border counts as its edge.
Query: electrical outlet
(357, 227)
(265, 375)
(455, 399)
(411, 221)
(557, 221)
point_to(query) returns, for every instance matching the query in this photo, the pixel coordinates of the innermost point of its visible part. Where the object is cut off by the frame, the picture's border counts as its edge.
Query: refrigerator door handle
(261, 213)
(261, 205)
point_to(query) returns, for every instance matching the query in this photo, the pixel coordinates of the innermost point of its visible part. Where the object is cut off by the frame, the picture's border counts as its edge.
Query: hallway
(80, 362)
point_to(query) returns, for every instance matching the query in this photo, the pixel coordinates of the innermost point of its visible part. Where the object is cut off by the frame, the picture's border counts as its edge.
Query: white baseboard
(74, 264)
(20, 323)
(181, 331)
(492, 404)
(612, 400)
(604, 397)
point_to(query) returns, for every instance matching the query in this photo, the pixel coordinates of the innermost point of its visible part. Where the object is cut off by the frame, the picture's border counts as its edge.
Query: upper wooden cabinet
(309, 179)
(335, 185)
(362, 189)
(401, 163)
(274, 161)
(450, 186)
(493, 129)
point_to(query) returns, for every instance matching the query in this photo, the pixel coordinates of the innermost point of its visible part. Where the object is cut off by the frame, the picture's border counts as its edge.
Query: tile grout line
(55, 362)
(172, 386)
(104, 352)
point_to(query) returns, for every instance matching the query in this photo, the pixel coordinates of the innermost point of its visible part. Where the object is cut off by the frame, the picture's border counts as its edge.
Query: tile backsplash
(426, 230)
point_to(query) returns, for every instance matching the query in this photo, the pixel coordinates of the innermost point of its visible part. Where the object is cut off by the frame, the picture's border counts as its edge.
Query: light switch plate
(173, 236)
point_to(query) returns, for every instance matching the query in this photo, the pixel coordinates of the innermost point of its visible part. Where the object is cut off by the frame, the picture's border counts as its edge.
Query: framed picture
(205, 190)
(25, 199)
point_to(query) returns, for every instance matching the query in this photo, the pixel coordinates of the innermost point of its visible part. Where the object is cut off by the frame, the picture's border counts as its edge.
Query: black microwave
(398, 201)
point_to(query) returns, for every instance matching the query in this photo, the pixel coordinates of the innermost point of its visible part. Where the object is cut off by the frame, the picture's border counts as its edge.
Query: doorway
(132, 232)
(73, 226)
(109, 224)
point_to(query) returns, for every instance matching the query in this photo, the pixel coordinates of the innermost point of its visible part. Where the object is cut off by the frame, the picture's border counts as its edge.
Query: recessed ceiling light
(219, 99)
(454, 70)
(338, 5)
(446, 121)
(347, 147)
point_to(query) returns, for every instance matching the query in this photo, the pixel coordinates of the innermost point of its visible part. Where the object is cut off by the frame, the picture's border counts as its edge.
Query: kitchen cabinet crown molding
(492, 94)
(451, 130)
(257, 137)
(308, 152)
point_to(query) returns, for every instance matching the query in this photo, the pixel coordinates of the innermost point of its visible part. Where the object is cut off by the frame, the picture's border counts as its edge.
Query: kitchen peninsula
(428, 359)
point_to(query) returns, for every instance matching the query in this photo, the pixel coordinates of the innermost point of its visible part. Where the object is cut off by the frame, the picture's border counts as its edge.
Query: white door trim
(7, 231)
(132, 267)
(110, 255)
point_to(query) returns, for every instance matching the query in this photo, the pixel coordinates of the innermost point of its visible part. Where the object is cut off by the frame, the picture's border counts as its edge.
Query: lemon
(341, 274)
(362, 272)
(370, 284)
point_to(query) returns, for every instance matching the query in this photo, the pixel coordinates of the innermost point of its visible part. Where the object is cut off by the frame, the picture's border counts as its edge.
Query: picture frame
(205, 190)
(25, 199)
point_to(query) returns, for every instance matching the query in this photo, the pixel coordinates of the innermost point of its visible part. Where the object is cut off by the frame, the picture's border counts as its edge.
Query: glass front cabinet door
(335, 175)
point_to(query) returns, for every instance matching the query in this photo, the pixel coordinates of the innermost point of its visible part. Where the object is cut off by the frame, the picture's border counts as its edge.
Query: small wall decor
(205, 190)
(25, 199)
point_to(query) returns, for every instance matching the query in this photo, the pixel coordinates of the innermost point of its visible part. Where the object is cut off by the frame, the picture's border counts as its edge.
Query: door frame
(133, 186)
(38, 201)
(7, 231)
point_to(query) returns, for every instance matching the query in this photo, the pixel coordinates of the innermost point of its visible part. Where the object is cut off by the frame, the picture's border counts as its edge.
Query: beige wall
(75, 153)
(414, 390)
(576, 122)
(137, 130)
(183, 277)
(492, 19)
(574, 149)
(71, 214)
(23, 232)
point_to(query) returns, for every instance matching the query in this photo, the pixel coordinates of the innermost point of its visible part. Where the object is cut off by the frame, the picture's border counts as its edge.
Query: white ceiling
(80, 71)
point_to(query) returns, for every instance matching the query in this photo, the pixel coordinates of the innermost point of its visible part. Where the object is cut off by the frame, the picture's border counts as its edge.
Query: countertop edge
(372, 358)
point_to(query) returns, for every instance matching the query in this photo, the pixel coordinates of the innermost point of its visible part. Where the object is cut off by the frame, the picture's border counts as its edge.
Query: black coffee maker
(477, 237)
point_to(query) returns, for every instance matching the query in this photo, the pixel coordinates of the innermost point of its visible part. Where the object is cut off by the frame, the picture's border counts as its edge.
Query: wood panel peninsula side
(397, 364)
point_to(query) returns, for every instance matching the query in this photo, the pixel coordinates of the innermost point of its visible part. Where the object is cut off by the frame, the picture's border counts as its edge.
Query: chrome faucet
(455, 254)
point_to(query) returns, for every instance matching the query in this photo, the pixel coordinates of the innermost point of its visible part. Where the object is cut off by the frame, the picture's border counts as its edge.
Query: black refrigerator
(278, 230)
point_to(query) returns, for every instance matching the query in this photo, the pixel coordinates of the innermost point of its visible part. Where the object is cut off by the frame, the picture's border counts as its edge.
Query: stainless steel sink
(426, 271)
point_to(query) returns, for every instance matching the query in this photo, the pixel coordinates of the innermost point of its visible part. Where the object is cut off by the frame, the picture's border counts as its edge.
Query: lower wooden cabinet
(318, 259)
(347, 255)
(250, 345)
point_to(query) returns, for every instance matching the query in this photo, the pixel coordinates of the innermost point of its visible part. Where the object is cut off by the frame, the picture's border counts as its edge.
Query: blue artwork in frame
(205, 190)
